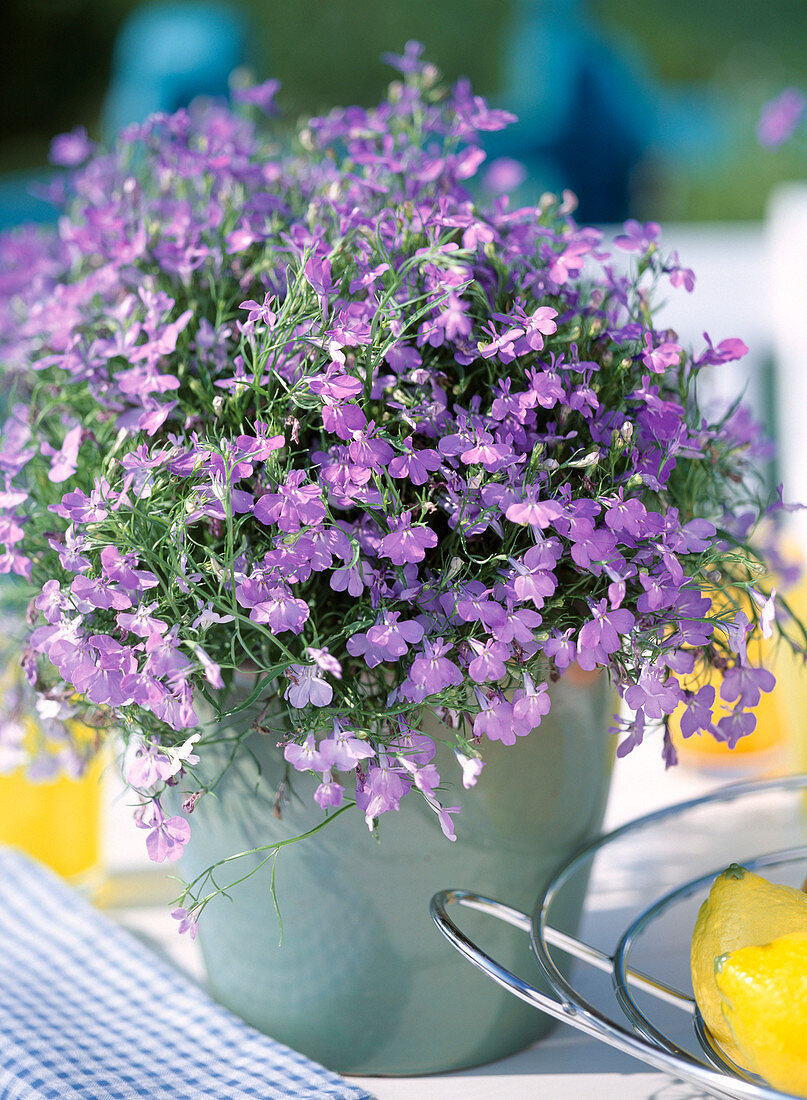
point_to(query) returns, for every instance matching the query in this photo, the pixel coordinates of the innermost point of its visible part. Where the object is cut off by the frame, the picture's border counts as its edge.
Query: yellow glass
(764, 750)
(778, 744)
(57, 821)
(791, 686)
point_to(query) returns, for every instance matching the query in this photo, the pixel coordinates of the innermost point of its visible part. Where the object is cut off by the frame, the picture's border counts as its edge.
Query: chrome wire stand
(630, 1029)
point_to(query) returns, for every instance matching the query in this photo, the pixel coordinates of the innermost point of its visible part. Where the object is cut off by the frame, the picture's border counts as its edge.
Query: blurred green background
(727, 56)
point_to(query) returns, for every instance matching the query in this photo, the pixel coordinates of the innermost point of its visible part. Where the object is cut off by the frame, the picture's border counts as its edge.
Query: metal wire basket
(670, 859)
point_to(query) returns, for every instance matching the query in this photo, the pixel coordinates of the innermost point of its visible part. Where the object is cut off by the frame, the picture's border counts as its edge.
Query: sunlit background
(667, 95)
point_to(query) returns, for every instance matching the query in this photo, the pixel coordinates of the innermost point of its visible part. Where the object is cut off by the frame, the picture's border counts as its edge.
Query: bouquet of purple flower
(316, 415)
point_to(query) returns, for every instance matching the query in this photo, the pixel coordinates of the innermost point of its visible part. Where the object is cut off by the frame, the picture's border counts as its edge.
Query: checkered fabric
(87, 1011)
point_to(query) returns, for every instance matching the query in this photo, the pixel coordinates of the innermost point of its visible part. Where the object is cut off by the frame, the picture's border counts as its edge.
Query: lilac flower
(655, 694)
(97, 592)
(69, 150)
(534, 511)
(296, 504)
(305, 757)
(767, 612)
(317, 272)
(731, 727)
(475, 606)
(329, 794)
(471, 769)
(259, 312)
(406, 543)
(146, 765)
(51, 601)
(367, 450)
(260, 95)
(781, 117)
(276, 607)
(343, 750)
(496, 721)
(444, 817)
(210, 668)
(600, 636)
(167, 835)
(534, 579)
(342, 418)
(142, 621)
(561, 648)
(635, 735)
(699, 713)
(637, 237)
(592, 546)
(324, 661)
(627, 515)
(504, 174)
(680, 276)
(307, 685)
(489, 662)
(487, 453)
(530, 705)
(80, 508)
(432, 672)
(409, 61)
(123, 572)
(387, 640)
(519, 627)
(69, 551)
(415, 464)
(381, 792)
(660, 358)
(725, 352)
(746, 684)
(65, 460)
(353, 579)
(188, 922)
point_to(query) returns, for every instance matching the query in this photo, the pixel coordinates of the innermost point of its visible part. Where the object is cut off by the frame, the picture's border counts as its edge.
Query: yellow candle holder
(778, 744)
(58, 821)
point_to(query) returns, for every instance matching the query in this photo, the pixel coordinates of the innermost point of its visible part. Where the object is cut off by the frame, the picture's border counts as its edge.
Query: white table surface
(566, 1065)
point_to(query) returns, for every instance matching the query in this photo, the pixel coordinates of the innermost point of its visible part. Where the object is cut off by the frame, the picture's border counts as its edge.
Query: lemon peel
(764, 1003)
(743, 909)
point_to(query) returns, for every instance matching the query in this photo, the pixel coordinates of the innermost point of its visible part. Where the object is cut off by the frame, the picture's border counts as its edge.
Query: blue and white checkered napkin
(87, 1011)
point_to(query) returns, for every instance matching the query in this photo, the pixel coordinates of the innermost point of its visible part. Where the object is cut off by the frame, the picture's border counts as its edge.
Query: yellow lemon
(764, 992)
(742, 909)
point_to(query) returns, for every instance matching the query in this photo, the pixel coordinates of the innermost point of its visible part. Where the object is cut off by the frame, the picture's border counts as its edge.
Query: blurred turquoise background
(692, 75)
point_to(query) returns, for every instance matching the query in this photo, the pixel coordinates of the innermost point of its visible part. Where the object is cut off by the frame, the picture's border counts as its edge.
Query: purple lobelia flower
(167, 835)
(600, 636)
(260, 95)
(432, 672)
(71, 149)
(495, 720)
(406, 543)
(327, 417)
(307, 685)
(387, 640)
(530, 705)
(296, 504)
(780, 117)
(416, 465)
(638, 237)
(699, 714)
(381, 792)
(534, 511)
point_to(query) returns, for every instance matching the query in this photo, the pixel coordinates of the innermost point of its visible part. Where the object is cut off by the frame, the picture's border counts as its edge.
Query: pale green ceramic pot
(363, 982)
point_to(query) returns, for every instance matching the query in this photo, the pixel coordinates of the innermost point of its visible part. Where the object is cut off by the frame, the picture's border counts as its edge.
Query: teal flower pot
(362, 980)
